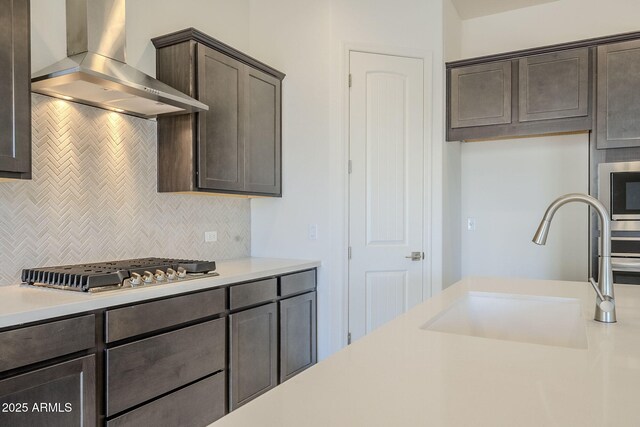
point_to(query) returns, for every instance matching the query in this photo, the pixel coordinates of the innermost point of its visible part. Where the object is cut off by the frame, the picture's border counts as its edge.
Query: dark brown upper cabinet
(618, 95)
(235, 147)
(554, 85)
(15, 90)
(481, 95)
(522, 95)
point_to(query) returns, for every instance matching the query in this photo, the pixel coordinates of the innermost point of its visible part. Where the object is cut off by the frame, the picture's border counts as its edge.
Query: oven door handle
(625, 264)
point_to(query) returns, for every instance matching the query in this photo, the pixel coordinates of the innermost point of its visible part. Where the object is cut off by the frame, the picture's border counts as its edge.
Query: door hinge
(350, 166)
(349, 252)
(350, 81)
(422, 255)
(349, 338)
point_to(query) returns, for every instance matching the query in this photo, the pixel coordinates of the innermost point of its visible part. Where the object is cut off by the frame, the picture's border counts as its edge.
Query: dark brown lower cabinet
(297, 334)
(197, 405)
(166, 362)
(253, 353)
(62, 395)
(143, 370)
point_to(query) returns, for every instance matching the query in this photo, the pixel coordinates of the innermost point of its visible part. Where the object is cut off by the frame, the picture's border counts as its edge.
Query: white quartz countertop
(23, 304)
(402, 375)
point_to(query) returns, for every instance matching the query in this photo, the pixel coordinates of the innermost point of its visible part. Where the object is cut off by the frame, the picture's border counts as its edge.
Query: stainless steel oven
(625, 260)
(619, 191)
(626, 271)
(625, 247)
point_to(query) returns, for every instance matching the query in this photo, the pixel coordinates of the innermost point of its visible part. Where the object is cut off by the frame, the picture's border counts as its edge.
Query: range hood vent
(95, 72)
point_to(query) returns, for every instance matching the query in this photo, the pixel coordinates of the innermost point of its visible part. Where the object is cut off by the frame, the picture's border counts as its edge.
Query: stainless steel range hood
(95, 72)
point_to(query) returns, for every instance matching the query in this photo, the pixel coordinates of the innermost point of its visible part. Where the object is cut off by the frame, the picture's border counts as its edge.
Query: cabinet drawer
(253, 293)
(298, 282)
(145, 369)
(33, 344)
(198, 405)
(142, 318)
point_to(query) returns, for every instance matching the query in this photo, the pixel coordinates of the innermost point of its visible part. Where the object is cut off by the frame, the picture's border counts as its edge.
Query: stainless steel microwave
(619, 191)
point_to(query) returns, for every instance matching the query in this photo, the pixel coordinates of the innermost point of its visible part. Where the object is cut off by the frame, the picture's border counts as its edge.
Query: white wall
(293, 36)
(493, 172)
(451, 197)
(306, 40)
(506, 187)
(549, 23)
(452, 31)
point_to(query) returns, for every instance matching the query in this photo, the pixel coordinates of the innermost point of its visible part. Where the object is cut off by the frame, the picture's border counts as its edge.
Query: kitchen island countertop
(21, 304)
(402, 375)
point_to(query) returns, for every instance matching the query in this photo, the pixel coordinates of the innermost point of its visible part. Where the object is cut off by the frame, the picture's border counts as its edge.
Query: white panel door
(386, 144)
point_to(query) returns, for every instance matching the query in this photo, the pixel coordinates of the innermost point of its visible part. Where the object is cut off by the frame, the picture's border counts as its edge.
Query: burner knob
(160, 276)
(182, 273)
(171, 274)
(135, 279)
(148, 277)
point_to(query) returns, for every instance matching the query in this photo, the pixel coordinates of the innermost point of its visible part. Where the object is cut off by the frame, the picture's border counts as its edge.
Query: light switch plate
(210, 236)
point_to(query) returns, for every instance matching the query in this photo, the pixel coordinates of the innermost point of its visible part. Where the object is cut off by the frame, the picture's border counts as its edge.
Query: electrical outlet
(210, 236)
(313, 231)
(471, 224)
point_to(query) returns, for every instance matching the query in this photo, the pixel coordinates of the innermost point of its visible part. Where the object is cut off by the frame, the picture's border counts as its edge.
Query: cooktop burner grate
(84, 277)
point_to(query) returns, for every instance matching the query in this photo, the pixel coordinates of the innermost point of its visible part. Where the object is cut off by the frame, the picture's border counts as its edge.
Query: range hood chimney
(95, 72)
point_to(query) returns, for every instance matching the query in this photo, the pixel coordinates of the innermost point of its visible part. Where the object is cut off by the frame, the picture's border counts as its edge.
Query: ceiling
(475, 8)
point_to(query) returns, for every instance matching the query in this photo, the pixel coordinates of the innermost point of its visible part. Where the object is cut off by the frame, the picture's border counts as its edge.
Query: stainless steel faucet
(605, 303)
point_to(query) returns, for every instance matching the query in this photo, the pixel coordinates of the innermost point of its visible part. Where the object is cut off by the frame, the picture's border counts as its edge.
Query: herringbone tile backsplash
(93, 198)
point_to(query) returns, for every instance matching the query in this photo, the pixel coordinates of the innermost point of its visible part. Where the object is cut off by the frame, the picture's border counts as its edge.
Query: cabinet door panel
(253, 351)
(554, 85)
(221, 129)
(618, 95)
(67, 391)
(481, 95)
(262, 145)
(297, 334)
(15, 84)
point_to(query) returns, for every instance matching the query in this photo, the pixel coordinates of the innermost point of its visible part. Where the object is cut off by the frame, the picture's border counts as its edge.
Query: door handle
(416, 256)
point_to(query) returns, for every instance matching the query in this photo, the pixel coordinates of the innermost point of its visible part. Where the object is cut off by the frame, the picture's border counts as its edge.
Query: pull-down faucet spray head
(540, 238)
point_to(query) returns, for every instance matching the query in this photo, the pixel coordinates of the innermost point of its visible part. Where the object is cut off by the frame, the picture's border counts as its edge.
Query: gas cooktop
(102, 276)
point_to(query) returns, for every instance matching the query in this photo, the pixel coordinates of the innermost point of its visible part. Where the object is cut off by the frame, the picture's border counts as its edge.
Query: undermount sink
(525, 318)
